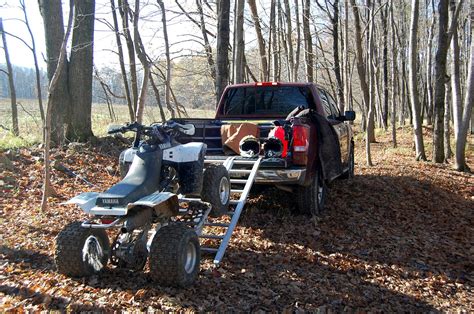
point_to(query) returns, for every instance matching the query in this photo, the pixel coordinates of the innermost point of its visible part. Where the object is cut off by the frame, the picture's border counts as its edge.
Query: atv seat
(142, 179)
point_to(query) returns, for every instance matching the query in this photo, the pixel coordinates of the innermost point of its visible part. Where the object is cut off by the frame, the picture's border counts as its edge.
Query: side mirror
(349, 115)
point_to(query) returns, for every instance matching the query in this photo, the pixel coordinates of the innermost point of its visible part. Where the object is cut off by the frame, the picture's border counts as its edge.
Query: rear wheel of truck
(175, 256)
(81, 251)
(311, 198)
(216, 189)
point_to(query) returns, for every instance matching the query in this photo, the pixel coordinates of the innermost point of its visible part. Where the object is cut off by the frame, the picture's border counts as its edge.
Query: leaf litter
(399, 236)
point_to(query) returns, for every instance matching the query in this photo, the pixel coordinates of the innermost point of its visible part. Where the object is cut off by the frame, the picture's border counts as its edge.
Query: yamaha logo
(110, 201)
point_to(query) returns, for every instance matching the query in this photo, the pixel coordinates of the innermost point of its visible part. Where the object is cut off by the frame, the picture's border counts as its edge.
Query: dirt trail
(399, 236)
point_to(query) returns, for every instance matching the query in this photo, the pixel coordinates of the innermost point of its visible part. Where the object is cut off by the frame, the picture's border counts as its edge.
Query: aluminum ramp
(242, 172)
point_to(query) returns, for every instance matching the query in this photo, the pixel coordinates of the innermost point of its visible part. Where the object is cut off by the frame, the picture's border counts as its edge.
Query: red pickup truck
(321, 145)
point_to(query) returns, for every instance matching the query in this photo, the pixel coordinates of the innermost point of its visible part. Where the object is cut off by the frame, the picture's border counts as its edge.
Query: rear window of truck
(264, 100)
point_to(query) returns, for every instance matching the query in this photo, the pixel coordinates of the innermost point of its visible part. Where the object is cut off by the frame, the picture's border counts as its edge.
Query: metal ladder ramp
(248, 180)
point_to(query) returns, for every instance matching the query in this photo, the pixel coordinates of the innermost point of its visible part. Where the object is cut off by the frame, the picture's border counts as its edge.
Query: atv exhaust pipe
(137, 219)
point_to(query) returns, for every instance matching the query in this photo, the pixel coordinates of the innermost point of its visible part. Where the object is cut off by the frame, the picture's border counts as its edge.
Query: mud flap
(164, 204)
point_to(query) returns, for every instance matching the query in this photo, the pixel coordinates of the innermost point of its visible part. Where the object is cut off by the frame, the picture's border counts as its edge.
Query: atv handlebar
(187, 129)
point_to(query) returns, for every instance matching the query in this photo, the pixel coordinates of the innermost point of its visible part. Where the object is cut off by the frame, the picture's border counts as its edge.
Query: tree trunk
(335, 51)
(124, 10)
(347, 81)
(460, 163)
(298, 42)
(361, 69)
(80, 72)
(393, 118)
(447, 117)
(415, 103)
(11, 84)
(260, 40)
(222, 58)
(126, 87)
(455, 80)
(429, 70)
(440, 77)
(289, 41)
(384, 17)
(275, 51)
(207, 45)
(54, 84)
(239, 45)
(158, 98)
(370, 132)
(35, 59)
(167, 54)
(52, 14)
(308, 43)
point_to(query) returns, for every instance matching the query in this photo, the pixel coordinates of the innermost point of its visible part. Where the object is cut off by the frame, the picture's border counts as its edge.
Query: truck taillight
(300, 144)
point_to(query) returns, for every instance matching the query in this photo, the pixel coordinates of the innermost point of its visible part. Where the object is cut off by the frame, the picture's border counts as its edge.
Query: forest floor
(397, 237)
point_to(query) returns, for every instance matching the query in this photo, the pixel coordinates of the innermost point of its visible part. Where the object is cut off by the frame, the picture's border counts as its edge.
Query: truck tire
(349, 174)
(311, 198)
(216, 189)
(175, 256)
(81, 252)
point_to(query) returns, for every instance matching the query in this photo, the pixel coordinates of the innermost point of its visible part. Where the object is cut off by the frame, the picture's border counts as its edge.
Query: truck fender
(164, 204)
(86, 201)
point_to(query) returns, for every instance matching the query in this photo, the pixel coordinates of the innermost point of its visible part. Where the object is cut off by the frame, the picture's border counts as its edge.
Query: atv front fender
(164, 204)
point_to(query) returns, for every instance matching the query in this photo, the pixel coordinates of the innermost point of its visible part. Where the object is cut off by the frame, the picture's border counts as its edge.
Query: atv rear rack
(242, 172)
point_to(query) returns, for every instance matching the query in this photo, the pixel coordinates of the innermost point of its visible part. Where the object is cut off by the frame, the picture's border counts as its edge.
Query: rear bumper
(281, 176)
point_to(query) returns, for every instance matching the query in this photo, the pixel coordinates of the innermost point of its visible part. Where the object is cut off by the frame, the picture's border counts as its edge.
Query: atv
(155, 213)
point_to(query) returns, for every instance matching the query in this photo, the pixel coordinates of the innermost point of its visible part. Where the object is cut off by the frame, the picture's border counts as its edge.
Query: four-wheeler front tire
(216, 189)
(81, 251)
(175, 256)
(311, 198)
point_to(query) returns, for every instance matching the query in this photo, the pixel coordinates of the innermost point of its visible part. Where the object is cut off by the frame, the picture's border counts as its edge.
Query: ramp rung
(240, 171)
(217, 224)
(211, 236)
(209, 249)
(239, 181)
(233, 202)
(236, 191)
(244, 162)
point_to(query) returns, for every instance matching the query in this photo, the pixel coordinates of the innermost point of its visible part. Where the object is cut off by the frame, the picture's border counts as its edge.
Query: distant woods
(395, 62)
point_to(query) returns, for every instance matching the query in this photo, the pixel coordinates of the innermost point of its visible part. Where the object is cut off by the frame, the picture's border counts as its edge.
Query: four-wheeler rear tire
(81, 251)
(175, 256)
(311, 198)
(216, 189)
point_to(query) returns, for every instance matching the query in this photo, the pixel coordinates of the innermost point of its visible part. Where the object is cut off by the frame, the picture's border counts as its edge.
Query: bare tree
(308, 43)
(239, 44)
(35, 59)
(261, 41)
(50, 106)
(167, 55)
(11, 84)
(461, 140)
(126, 87)
(361, 71)
(222, 58)
(80, 71)
(52, 14)
(415, 104)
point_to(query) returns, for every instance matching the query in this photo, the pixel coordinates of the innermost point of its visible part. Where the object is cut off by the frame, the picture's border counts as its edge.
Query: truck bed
(208, 131)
